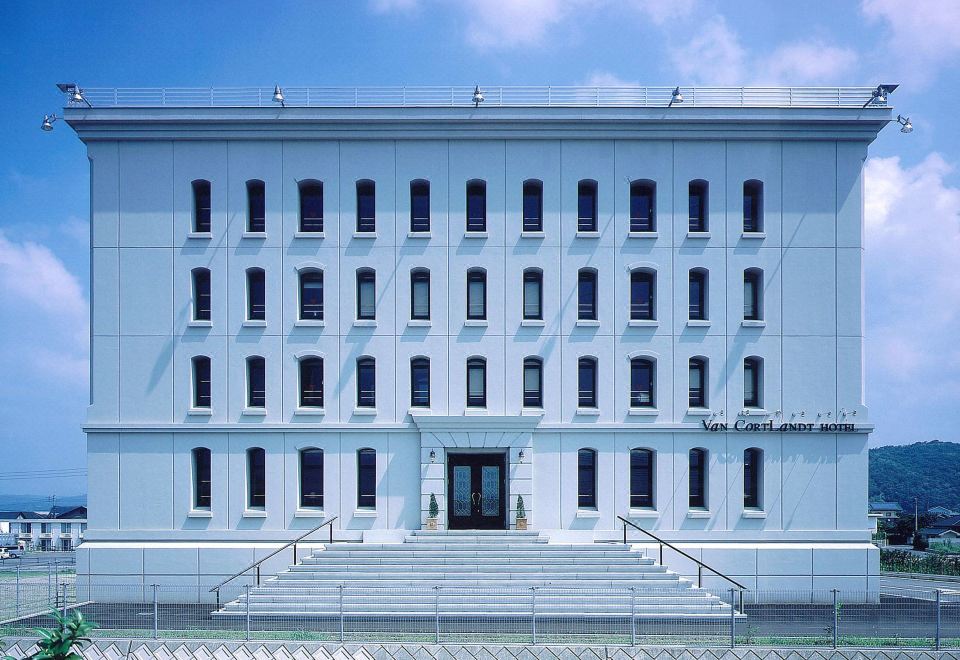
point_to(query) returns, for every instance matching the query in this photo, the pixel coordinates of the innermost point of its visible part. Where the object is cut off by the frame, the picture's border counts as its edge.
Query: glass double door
(477, 488)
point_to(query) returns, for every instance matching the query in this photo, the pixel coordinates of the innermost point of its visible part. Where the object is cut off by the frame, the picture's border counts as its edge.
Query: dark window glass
(587, 383)
(311, 383)
(201, 206)
(366, 383)
(256, 382)
(201, 382)
(587, 295)
(698, 383)
(311, 295)
(476, 383)
(698, 205)
(642, 212)
(201, 294)
(367, 479)
(201, 478)
(587, 206)
(641, 383)
(476, 206)
(366, 294)
(420, 294)
(256, 478)
(256, 295)
(476, 294)
(532, 294)
(311, 206)
(420, 206)
(532, 206)
(641, 479)
(420, 383)
(311, 478)
(698, 295)
(366, 206)
(753, 206)
(752, 474)
(587, 479)
(752, 283)
(533, 383)
(642, 288)
(256, 206)
(751, 383)
(698, 478)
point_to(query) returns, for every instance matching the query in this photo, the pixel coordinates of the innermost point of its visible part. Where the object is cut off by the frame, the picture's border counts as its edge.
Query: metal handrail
(700, 564)
(257, 563)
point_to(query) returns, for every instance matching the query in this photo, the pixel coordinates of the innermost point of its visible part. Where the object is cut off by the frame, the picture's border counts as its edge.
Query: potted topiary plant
(433, 513)
(521, 513)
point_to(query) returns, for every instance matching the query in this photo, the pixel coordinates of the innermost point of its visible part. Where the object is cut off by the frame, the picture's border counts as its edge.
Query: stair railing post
(436, 603)
(836, 618)
(661, 554)
(624, 533)
(700, 577)
(340, 587)
(294, 553)
(258, 575)
(218, 597)
(246, 629)
(633, 616)
(533, 615)
(936, 641)
(156, 614)
(733, 620)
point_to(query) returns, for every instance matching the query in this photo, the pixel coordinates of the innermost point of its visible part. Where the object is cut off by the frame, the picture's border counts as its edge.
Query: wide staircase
(478, 574)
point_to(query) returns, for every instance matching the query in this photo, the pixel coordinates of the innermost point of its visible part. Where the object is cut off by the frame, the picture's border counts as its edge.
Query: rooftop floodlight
(879, 95)
(74, 93)
(278, 96)
(47, 124)
(676, 96)
(477, 96)
(905, 125)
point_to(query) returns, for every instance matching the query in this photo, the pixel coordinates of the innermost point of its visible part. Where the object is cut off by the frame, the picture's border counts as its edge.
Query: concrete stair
(479, 574)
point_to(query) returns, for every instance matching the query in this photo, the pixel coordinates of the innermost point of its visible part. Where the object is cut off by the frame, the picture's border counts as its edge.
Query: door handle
(476, 498)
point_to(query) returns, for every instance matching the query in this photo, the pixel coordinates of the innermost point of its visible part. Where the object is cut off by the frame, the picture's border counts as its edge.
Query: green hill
(929, 471)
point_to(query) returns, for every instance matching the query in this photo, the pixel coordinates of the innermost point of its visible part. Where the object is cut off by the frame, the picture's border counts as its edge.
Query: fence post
(633, 616)
(533, 615)
(733, 620)
(156, 614)
(341, 612)
(836, 618)
(18, 588)
(48, 585)
(64, 599)
(247, 623)
(436, 602)
(936, 644)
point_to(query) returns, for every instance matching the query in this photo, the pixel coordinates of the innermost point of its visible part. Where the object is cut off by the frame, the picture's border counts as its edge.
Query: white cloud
(806, 62)
(388, 6)
(607, 79)
(499, 24)
(924, 35)
(710, 55)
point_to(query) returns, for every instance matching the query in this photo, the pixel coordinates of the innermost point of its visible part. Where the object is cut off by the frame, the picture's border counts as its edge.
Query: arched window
(366, 206)
(532, 382)
(311, 382)
(642, 393)
(753, 382)
(420, 294)
(752, 206)
(698, 382)
(587, 205)
(698, 478)
(256, 206)
(532, 205)
(311, 478)
(256, 382)
(420, 382)
(256, 295)
(366, 382)
(587, 479)
(752, 294)
(587, 294)
(476, 205)
(201, 381)
(201, 206)
(311, 206)
(200, 458)
(698, 294)
(533, 294)
(587, 382)
(201, 294)
(476, 294)
(643, 215)
(256, 478)
(641, 478)
(420, 205)
(476, 383)
(366, 294)
(366, 478)
(699, 200)
(753, 478)
(311, 295)
(643, 288)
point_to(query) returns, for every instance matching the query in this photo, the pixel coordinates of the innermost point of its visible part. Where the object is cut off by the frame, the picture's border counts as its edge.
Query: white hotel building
(339, 307)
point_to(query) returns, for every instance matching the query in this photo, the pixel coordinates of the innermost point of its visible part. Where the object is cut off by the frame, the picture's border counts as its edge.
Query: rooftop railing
(512, 97)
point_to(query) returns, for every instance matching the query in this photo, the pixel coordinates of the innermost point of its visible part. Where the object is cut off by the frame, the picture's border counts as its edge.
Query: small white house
(60, 528)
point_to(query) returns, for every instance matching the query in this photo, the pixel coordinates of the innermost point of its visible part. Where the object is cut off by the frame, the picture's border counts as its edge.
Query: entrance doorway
(477, 490)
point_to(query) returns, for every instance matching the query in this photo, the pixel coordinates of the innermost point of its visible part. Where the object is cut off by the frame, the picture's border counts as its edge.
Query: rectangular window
(256, 478)
(44, 528)
(201, 382)
(64, 528)
(256, 382)
(420, 206)
(201, 207)
(201, 478)
(533, 295)
(641, 295)
(366, 295)
(698, 206)
(587, 383)
(476, 295)
(641, 383)
(532, 206)
(642, 216)
(366, 383)
(476, 206)
(256, 295)
(256, 206)
(587, 206)
(532, 383)
(587, 295)
(367, 479)
(201, 294)
(476, 384)
(420, 383)
(311, 206)
(420, 295)
(366, 207)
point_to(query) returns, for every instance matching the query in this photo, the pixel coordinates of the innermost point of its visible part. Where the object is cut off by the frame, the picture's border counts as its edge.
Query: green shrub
(521, 511)
(434, 507)
(902, 561)
(64, 641)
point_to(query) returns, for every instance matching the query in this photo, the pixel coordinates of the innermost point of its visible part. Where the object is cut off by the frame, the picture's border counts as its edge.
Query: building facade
(61, 528)
(633, 309)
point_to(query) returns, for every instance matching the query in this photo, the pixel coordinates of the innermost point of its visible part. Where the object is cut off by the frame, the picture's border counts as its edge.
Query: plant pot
(431, 523)
(521, 523)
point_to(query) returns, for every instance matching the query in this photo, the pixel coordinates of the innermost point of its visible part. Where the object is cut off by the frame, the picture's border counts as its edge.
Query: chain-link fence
(539, 615)
(30, 588)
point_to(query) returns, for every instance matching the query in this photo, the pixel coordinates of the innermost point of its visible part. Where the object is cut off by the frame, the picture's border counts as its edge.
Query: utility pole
(916, 514)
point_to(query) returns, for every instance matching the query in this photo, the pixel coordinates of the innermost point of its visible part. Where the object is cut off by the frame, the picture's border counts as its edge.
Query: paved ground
(906, 583)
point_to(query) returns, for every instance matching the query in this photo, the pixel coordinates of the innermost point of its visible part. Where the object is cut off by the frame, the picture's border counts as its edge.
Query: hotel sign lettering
(786, 427)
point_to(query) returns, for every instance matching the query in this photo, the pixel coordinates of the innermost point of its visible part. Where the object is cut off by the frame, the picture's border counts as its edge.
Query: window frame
(315, 501)
(753, 216)
(419, 276)
(636, 364)
(753, 479)
(699, 364)
(532, 276)
(473, 400)
(366, 369)
(588, 188)
(697, 489)
(753, 378)
(310, 399)
(256, 477)
(307, 189)
(637, 278)
(530, 398)
(698, 189)
(587, 398)
(640, 188)
(643, 477)
(419, 363)
(476, 188)
(366, 193)
(419, 188)
(366, 276)
(591, 277)
(366, 500)
(201, 311)
(202, 390)
(477, 276)
(310, 276)
(201, 462)
(202, 221)
(753, 308)
(256, 286)
(587, 477)
(253, 362)
(532, 189)
(700, 278)
(256, 206)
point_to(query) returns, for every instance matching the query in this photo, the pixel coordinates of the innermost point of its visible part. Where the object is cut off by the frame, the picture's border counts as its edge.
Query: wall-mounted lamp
(520, 456)
(74, 93)
(675, 97)
(433, 456)
(905, 125)
(47, 124)
(477, 96)
(278, 96)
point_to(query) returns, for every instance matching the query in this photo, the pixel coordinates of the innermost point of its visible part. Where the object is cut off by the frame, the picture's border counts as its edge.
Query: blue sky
(913, 186)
